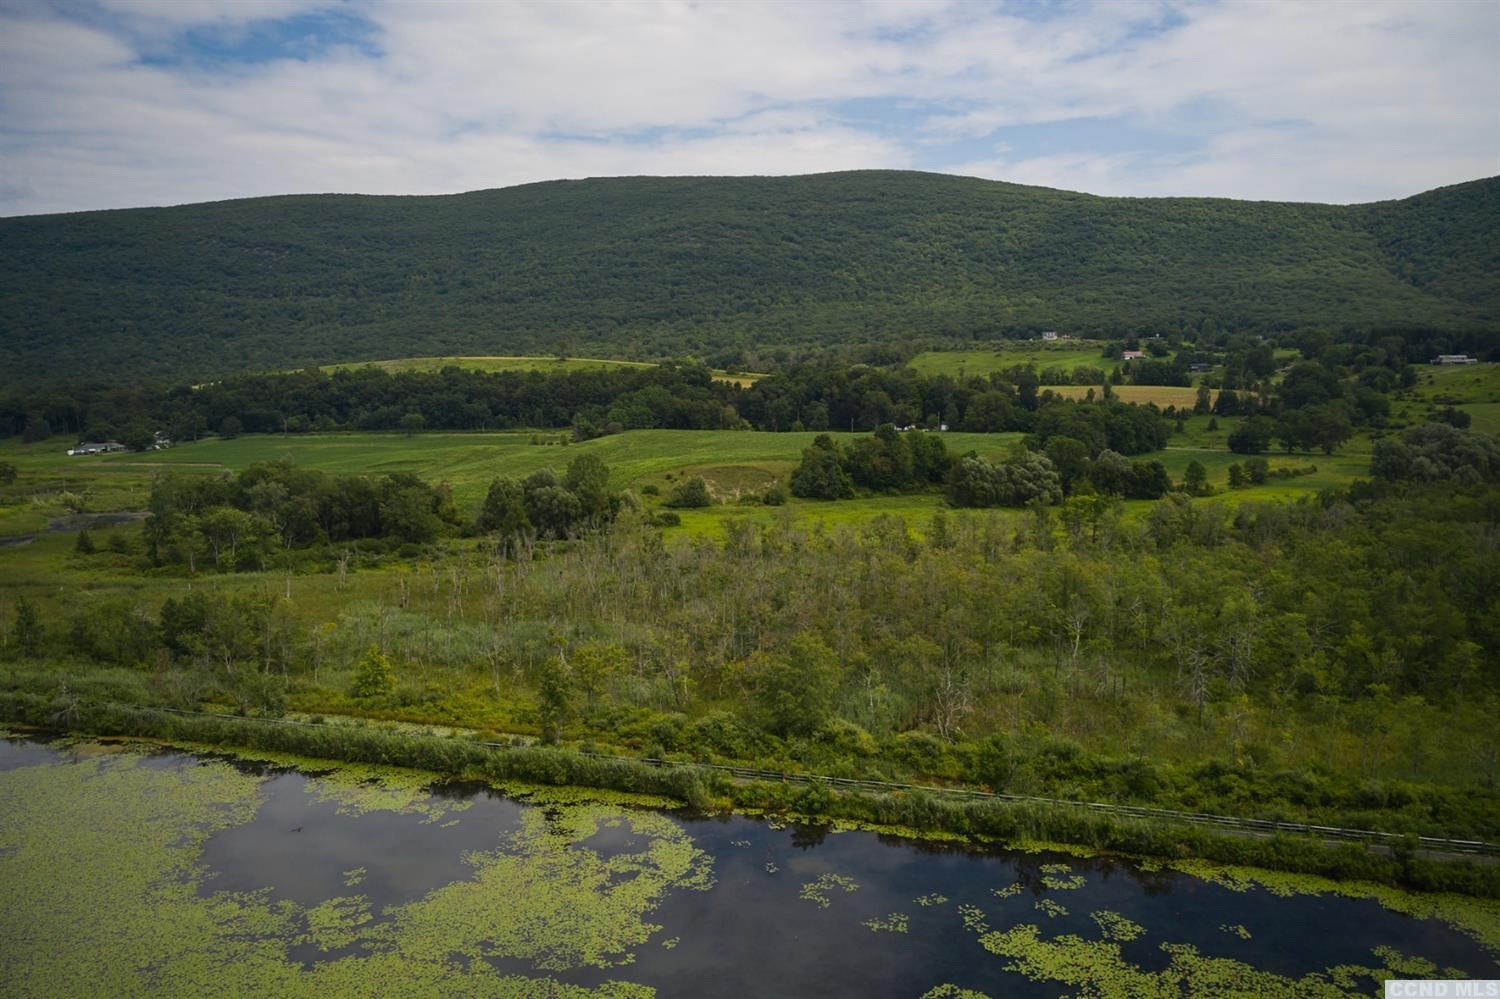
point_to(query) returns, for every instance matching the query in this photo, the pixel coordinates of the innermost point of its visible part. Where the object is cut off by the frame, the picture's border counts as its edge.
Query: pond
(127, 871)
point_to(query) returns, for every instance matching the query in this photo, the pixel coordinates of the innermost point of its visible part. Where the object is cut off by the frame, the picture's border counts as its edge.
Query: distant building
(1049, 334)
(1455, 359)
(1199, 367)
(90, 447)
(1133, 355)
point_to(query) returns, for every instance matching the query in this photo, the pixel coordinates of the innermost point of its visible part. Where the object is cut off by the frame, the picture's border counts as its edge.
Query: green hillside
(646, 267)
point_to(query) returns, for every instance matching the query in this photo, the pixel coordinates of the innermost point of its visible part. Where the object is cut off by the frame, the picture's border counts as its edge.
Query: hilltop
(647, 267)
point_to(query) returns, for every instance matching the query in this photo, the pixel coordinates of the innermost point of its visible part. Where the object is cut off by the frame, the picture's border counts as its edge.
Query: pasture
(1050, 356)
(1473, 388)
(1181, 396)
(548, 365)
(1046, 355)
(733, 461)
(737, 466)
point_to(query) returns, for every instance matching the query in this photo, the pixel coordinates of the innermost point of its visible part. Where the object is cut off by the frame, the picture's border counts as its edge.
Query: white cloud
(1293, 101)
(1287, 101)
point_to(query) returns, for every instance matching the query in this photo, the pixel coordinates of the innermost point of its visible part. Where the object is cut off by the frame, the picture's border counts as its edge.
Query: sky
(125, 103)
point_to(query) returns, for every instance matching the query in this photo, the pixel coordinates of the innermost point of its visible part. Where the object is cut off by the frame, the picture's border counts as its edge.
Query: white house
(90, 447)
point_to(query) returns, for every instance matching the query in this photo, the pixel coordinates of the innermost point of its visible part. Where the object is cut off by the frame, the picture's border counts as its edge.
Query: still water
(124, 872)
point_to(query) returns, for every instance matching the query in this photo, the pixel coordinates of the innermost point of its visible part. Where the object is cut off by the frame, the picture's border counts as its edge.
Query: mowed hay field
(737, 465)
(1181, 396)
(488, 363)
(1049, 356)
(505, 363)
(1046, 355)
(469, 461)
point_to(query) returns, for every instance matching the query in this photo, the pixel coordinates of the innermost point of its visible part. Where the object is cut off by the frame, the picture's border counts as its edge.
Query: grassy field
(1050, 356)
(1181, 396)
(1473, 388)
(1046, 355)
(736, 465)
(734, 462)
(1486, 416)
(502, 363)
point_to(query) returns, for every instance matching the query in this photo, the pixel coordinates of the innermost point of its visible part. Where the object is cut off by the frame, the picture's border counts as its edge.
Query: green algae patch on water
(564, 905)
(1049, 846)
(357, 788)
(105, 896)
(336, 923)
(1096, 968)
(89, 848)
(1050, 908)
(1060, 877)
(780, 819)
(819, 892)
(568, 794)
(1478, 918)
(1114, 926)
(352, 788)
(904, 832)
(1409, 966)
(973, 918)
(896, 922)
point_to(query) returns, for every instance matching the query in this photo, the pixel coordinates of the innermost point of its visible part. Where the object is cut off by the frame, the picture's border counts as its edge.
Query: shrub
(690, 494)
(374, 677)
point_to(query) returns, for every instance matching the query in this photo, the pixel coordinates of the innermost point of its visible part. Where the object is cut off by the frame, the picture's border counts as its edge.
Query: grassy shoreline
(980, 820)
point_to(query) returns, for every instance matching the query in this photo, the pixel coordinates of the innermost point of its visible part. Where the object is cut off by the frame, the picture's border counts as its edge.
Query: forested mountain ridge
(658, 266)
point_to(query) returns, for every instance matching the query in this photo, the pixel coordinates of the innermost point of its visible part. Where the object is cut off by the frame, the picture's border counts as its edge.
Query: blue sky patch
(303, 37)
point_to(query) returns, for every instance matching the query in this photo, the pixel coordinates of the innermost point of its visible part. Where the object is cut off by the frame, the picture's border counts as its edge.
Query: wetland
(132, 869)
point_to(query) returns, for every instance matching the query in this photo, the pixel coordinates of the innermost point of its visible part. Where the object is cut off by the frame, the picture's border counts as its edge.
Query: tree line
(277, 514)
(1042, 469)
(1332, 389)
(244, 521)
